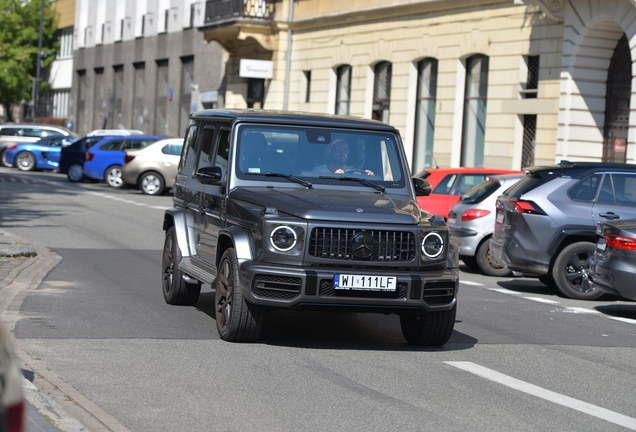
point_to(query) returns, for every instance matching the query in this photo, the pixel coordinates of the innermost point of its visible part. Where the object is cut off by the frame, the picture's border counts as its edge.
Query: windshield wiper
(357, 179)
(289, 177)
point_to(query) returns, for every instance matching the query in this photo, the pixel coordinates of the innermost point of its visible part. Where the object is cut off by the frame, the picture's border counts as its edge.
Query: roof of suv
(583, 165)
(292, 117)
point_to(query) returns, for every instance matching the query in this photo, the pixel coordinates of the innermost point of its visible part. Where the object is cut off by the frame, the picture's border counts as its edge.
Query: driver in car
(337, 156)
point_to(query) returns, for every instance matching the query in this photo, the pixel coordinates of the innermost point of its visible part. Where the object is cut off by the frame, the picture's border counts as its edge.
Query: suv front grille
(439, 293)
(327, 290)
(335, 243)
(276, 287)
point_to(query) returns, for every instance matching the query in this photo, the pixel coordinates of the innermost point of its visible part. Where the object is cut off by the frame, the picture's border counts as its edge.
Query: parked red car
(449, 184)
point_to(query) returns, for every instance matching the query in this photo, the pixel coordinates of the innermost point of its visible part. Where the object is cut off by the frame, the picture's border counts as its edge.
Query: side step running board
(193, 274)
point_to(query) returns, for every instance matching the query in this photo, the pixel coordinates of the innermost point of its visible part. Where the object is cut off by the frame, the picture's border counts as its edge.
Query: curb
(50, 394)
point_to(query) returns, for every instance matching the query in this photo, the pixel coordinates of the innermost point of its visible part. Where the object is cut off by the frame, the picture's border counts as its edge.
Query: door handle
(609, 215)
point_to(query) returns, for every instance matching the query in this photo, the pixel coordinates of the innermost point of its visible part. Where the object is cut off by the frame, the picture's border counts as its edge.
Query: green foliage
(19, 28)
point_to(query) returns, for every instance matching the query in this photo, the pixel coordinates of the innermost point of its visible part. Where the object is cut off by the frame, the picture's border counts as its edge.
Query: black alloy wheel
(571, 272)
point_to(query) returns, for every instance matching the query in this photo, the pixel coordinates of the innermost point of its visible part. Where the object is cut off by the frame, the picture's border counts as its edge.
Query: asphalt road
(521, 357)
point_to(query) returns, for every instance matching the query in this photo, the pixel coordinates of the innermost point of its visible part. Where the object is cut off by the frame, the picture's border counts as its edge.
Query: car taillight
(13, 147)
(620, 242)
(89, 156)
(14, 417)
(523, 206)
(128, 158)
(472, 214)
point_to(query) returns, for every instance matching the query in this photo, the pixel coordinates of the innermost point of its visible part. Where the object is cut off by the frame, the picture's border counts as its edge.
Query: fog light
(433, 245)
(283, 238)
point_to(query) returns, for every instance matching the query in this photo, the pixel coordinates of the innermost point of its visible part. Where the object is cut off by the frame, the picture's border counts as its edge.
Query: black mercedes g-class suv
(306, 211)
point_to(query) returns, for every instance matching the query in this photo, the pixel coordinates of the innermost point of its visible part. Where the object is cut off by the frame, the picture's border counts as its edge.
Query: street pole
(38, 67)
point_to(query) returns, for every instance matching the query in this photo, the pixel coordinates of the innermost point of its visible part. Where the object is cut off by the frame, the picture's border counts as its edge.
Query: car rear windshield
(533, 179)
(480, 192)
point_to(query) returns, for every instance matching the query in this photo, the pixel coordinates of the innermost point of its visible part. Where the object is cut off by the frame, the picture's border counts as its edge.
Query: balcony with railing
(219, 12)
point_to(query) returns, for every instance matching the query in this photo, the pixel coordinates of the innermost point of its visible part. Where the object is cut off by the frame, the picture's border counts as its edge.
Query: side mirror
(209, 175)
(422, 187)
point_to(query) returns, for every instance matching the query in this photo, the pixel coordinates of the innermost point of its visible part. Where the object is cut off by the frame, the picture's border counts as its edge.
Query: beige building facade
(499, 83)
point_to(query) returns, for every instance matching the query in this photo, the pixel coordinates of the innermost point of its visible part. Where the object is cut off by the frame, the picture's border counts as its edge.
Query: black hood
(330, 205)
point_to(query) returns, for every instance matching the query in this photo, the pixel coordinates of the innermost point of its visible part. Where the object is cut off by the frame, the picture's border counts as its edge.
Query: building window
(529, 140)
(343, 89)
(118, 92)
(65, 36)
(139, 91)
(187, 82)
(103, 32)
(100, 118)
(81, 99)
(121, 30)
(161, 102)
(474, 125)
(381, 91)
(165, 21)
(307, 85)
(255, 92)
(425, 114)
(143, 25)
(192, 14)
(532, 80)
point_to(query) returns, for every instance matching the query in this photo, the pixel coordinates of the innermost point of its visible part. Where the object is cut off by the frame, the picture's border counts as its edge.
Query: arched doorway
(619, 89)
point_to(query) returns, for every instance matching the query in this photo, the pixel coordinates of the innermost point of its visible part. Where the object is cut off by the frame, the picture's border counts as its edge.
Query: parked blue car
(105, 159)
(41, 155)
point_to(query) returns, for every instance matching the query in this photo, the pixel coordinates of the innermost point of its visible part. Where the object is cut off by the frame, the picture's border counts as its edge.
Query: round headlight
(283, 238)
(433, 245)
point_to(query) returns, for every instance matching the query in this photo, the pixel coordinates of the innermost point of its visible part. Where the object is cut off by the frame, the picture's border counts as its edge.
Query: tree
(19, 28)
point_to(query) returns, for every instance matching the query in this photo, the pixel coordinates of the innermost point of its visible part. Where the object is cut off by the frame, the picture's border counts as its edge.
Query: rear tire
(487, 264)
(152, 183)
(236, 319)
(113, 177)
(431, 329)
(176, 291)
(75, 173)
(570, 272)
(25, 161)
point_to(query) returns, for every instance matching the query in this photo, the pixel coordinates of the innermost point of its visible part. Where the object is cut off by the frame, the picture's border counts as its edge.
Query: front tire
(236, 319)
(25, 161)
(75, 173)
(152, 183)
(570, 272)
(431, 329)
(176, 291)
(113, 177)
(487, 264)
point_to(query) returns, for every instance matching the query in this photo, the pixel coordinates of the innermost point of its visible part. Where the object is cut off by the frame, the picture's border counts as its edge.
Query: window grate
(529, 140)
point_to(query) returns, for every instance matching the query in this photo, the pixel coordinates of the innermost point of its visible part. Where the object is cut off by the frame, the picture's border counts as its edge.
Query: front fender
(239, 239)
(178, 218)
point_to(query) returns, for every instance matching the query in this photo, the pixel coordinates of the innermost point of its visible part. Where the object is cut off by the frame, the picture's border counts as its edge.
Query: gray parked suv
(546, 223)
(305, 211)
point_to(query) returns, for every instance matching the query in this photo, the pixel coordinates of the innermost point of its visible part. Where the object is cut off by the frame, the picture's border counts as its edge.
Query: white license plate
(364, 282)
(601, 246)
(500, 216)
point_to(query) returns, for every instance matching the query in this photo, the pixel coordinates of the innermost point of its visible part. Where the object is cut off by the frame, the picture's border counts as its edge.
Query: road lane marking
(470, 283)
(504, 291)
(531, 389)
(625, 320)
(581, 310)
(542, 300)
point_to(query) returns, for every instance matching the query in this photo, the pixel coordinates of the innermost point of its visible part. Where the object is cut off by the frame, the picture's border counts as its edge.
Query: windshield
(319, 156)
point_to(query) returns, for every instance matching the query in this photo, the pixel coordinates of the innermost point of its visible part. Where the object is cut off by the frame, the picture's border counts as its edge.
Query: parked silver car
(153, 169)
(472, 222)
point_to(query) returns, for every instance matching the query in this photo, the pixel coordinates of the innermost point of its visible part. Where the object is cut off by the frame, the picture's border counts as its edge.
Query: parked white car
(471, 222)
(112, 132)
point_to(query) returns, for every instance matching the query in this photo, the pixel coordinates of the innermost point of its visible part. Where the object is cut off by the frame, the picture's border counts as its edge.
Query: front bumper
(299, 288)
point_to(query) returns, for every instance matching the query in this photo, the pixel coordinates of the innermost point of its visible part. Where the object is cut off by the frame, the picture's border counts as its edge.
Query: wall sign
(256, 69)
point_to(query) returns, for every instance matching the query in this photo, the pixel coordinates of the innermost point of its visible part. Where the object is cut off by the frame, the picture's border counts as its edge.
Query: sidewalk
(40, 411)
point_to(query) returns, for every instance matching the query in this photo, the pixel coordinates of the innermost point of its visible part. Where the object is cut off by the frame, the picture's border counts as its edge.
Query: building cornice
(554, 9)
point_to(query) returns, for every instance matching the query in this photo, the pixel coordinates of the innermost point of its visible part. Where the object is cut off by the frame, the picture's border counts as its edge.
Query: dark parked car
(72, 157)
(310, 212)
(613, 264)
(546, 223)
